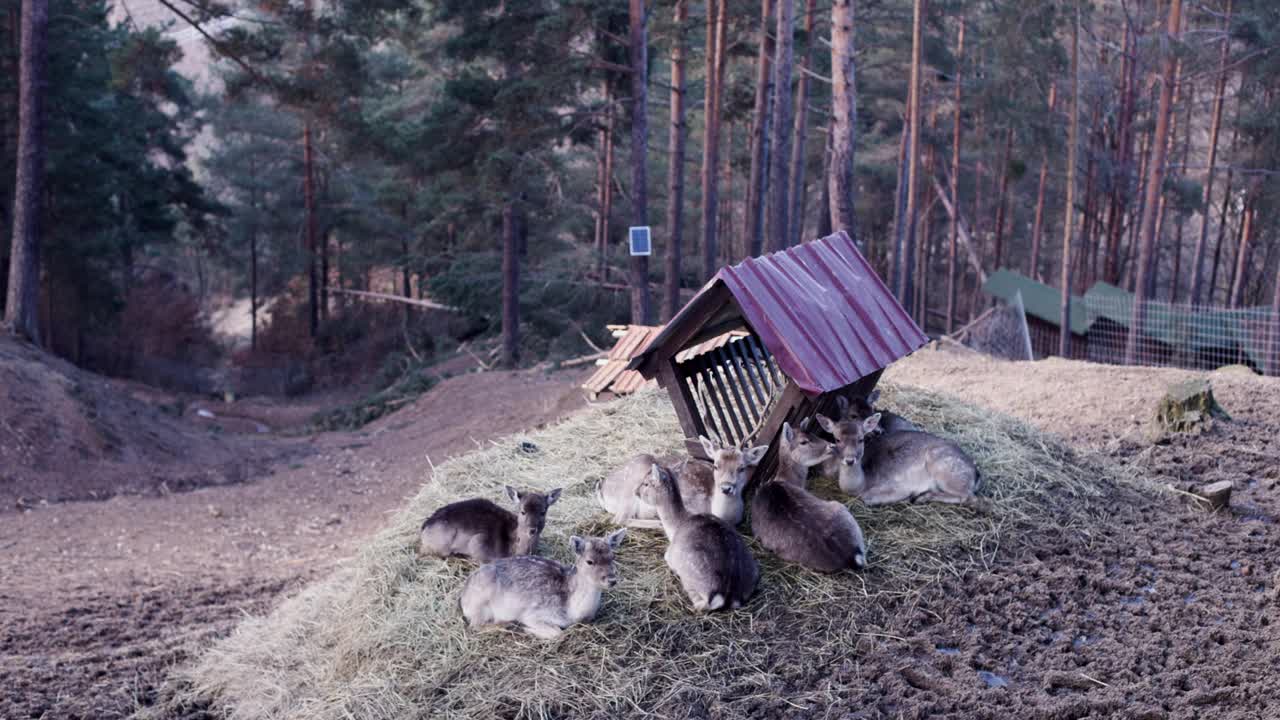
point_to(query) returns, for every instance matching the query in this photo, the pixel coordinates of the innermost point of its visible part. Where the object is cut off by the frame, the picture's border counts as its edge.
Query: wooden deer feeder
(775, 339)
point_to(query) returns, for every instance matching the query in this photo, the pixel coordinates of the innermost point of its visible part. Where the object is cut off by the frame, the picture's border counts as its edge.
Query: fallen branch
(962, 231)
(396, 298)
(584, 359)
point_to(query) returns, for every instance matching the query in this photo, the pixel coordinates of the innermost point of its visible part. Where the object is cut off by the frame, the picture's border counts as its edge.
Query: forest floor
(1165, 613)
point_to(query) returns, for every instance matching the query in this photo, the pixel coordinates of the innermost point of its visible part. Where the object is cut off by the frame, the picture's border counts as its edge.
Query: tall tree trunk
(760, 120)
(778, 233)
(1239, 276)
(801, 131)
(641, 307)
(1181, 219)
(675, 167)
(906, 266)
(900, 200)
(1000, 200)
(844, 106)
(824, 200)
(1087, 223)
(309, 200)
(510, 286)
(1222, 228)
(711, 135)
(1069, 212)
(955, 185)
(1197, 255)
(605, 186)
(1120, 183)
(1037, 225)
(22, 299)
(253, 257)
(1155, 182)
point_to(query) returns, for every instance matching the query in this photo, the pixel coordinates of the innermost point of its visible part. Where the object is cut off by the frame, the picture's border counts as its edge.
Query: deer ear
(788, 434)
(842, 405)
(513, 493)
(873, 398)
(577, 544)
(553, 496)
(826, 423)
(871, 423)
(655, 472)
(753, 456)
(805, 423)
(615, 538)
(709, 446)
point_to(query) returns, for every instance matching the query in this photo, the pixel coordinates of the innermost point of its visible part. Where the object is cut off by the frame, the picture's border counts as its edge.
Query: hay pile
(383, 638)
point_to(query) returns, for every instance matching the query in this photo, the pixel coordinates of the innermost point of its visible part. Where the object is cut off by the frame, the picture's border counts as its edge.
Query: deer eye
(591, 562)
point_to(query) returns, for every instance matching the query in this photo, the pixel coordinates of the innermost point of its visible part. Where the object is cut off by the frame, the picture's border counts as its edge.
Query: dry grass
(383, 638)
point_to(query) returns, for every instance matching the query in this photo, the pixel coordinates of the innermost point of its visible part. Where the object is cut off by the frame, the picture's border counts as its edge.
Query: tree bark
(844, 106)
(1181, 220)
(641, 307)
(778, 233)
(1247, 230)
(1155, 182)
(758, 181)
(606, 187)
(309, 200)
(510, 287)
(907, 263)
(1222, 225)
(711, 135)
(1037, 225)
(22, 299)
(675, 166)
(1120, 184)
(1069, 212)
(1000, 201)
(798, 185)
(824, 200)
(1197, 255)
(955, 187)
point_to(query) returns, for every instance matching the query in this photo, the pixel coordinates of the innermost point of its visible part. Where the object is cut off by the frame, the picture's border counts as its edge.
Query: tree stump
(1217, 494)
(1188, 407)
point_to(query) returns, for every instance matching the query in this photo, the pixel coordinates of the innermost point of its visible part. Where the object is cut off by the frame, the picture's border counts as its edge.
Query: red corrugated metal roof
(820, 310)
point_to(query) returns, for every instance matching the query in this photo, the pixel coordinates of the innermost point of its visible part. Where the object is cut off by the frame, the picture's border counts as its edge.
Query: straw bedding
(383, 637)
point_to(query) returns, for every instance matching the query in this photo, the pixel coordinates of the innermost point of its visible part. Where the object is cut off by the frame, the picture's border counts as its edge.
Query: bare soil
(99, 598)
(1164, 613)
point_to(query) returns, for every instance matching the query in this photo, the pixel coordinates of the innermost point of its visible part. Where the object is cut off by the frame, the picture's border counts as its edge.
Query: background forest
(489, 156)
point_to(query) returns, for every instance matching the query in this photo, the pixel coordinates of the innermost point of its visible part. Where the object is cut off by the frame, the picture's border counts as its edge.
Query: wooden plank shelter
(775, 339)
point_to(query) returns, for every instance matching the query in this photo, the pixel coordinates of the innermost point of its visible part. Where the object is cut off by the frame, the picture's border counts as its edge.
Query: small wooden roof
(818, 307)
(613, 376)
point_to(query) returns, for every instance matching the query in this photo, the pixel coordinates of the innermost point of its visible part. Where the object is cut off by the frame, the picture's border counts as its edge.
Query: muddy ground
(1165, 613)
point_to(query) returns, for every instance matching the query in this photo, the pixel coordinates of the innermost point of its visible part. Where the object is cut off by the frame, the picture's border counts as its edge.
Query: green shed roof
(1041, 301)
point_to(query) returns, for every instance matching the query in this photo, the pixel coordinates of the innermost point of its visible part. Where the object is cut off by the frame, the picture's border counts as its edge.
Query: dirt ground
(99, 598)
(1165, 613)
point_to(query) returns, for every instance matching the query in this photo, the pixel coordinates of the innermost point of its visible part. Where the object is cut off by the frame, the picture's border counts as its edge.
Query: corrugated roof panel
(822, 312)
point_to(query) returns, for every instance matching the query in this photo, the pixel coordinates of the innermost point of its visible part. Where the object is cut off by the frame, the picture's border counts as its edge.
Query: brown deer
(708, 556)
(480, 530)
(541, 594)
(797, 526)
(905, 465)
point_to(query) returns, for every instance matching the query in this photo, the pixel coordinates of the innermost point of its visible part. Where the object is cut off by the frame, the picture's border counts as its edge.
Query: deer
(482, 531)
(707, 555)
(907, 465)
(865, 407)
(714, 488)
(540, 594)
(797, 526)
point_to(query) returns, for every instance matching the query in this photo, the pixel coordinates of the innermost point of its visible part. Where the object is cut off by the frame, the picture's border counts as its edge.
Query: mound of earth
(67, 434)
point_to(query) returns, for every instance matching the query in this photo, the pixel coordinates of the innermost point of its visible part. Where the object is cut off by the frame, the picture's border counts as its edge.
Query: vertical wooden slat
(700, 366)
(749, 392)
(762, 397)
(736, 387)
(670, 378)
(762, 365)
(722, 399)
(698, 388)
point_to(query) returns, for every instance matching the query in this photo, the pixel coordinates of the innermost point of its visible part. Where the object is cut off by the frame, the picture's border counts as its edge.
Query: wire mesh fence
(1180, 335)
